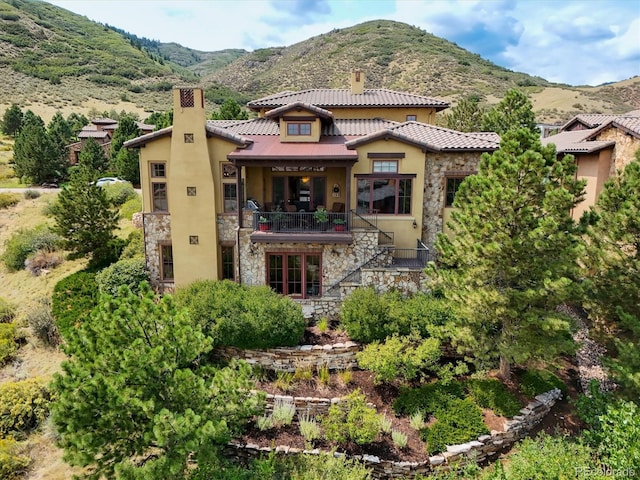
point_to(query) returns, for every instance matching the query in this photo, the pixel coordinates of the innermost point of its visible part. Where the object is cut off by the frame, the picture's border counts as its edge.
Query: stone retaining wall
(486, 447)
(339, 356)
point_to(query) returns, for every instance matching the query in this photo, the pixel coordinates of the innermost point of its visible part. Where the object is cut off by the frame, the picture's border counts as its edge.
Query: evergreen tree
(513, 258)
(230, 110)
(136, 401)
(514, 111)
(60, 133)
(30, 118)
(35, 156)
(12, 120)
(84, 218)
(466, 116)
(93, 157)
(160, 119)
(613, 270)
(76, 122)
(127, 129)
(125, 163)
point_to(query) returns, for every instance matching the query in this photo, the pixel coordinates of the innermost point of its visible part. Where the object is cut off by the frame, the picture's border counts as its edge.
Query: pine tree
(514, 111)
(136, 401)
(84, 218)
(126, 162)
(230, 110)
(466, 116)
(35, 156)
(513, 258)
(93, 157)
(60, 133)
(613, 270)
(12, 120)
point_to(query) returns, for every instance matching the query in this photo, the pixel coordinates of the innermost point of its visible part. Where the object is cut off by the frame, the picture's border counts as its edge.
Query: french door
(295, 274)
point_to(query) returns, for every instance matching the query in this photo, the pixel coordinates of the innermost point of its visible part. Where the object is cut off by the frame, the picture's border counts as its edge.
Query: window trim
(414, 118)
(153, 198)
(223, 246)
(234, 198)
(383, 162)
(298, 126)
(383, 176)
(161, 246)
(158, 164)
(303, 279)
(461, 178)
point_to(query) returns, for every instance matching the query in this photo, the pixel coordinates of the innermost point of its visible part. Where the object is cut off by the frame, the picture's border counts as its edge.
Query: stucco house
(602, 145)
(324, 190)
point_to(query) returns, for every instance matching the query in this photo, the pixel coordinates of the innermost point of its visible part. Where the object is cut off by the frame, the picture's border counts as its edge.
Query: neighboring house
(101, 130)
(602, 146)
(245, 199)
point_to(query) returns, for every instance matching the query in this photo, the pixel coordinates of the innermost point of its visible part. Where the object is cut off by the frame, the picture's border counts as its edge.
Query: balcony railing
(302, 222)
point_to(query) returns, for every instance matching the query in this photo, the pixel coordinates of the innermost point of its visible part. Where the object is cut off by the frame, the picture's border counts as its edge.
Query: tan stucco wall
(405, 235)
(316, 127)
(594, 169)
(153, 152)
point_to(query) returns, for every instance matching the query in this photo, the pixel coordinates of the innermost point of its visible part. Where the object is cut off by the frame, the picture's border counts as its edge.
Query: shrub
(135, 245)
(265, 422)
(427, 398)
(458, 422)
(385, 424)
(351, 419)
(131, 206)
(43, 324)
(31, 194)
(243, 317)
(416, 420)
(25, 242)
(13, 462)
(8, 345)
(23, 405)
(130, 272)
(119, 193)
(491, 393)
(309, 428)
(73, 299)
(365, 315)
(8, 199)
(535, 382)
(283, 412)
(399, 439)
(7, 311)
(399, 357)
(42, 260)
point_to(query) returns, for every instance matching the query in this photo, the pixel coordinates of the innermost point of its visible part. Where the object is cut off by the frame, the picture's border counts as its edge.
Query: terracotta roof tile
(331, 98)
(339, 127)
(258, 126)
(270, 148)
(93, 134)
(276, 112)
(576, 142)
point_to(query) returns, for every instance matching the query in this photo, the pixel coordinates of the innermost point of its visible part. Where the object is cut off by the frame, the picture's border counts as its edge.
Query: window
(159, 197)
(411, 118)
(298, 128)
(230, 197)
(385, 166)
(296, 274)
(158, 170)
(228, 267)
(187, 99)
(453, 183)
(166, 263)
(385, 195)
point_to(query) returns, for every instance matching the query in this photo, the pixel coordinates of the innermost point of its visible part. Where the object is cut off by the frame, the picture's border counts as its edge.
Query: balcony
(303, 227)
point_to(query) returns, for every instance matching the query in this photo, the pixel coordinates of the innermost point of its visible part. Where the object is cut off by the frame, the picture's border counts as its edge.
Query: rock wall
(157, 229)
(437, 167)
(405, 280)
(486, 447)
(624, 151)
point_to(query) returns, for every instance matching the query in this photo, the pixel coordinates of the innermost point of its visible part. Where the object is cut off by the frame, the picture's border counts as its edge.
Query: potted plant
(264, 224)
(321, 216)
(339, 224)
(278, 218)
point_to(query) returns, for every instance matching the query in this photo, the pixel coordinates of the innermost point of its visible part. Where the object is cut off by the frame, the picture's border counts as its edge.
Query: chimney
(357, 82)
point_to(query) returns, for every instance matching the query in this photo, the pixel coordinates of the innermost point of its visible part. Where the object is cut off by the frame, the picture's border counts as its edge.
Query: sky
(578, 42)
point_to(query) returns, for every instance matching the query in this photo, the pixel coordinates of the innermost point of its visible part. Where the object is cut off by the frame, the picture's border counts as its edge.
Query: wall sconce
(336, 188)
(415, 224)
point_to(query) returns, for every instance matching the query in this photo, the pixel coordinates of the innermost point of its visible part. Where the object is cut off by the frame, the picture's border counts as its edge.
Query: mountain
(52, 59)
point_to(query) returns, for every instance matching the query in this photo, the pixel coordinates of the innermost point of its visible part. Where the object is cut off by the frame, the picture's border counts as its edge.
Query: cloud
(294, 13)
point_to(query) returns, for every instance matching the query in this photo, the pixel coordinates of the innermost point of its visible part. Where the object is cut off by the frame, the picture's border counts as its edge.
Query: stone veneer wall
(624, 151)
(339, 356)
(157, 228)
(405, 280)
(227, 226)
(486, 447)
(437, 167)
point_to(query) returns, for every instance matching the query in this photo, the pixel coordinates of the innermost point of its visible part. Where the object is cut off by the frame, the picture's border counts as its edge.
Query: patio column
(239, 194)
(347, 190)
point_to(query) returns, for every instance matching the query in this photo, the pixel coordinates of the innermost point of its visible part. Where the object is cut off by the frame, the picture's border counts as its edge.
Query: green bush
(24, 405)
(74, 297)
(399, 357)
(365, 315)
(119, 193)
(427, 398)
(131, 206)
(8, 199)
(25, 242)
(31, 194)
(129, 271)
(491, 393)
(43, 324)
(535, 382)
(458, 421)
(7, 311)
(13, 461)
(351, 419)
(8, 345)
(135, 245)
(243, 317)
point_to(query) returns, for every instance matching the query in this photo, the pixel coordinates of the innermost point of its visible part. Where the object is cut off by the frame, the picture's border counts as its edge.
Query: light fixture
(336, 188)
(415, 224)
(305, 179)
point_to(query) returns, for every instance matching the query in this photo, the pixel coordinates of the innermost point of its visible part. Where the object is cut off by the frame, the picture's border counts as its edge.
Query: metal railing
(301, 222)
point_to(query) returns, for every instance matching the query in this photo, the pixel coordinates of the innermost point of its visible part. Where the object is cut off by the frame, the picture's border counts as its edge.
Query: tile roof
(93, 133)
(321, 112)
(258, 126)
(270, 148)
(596, 119)
(144, 139)
(430, 138)
(332, 98)
(339, 127)
(576, 142)
(214, 131)
(103, 121)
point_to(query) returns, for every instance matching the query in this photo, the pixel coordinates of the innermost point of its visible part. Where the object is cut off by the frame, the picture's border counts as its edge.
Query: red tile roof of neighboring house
(593, 120)
(270, 148)
(429, 138)
(93, 134)
(332, 98)
(142, 126)
(576, 142)
(103, 121)
(630, 125)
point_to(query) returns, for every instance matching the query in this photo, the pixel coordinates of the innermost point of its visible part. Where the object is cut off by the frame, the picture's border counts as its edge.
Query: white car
(104, 181)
